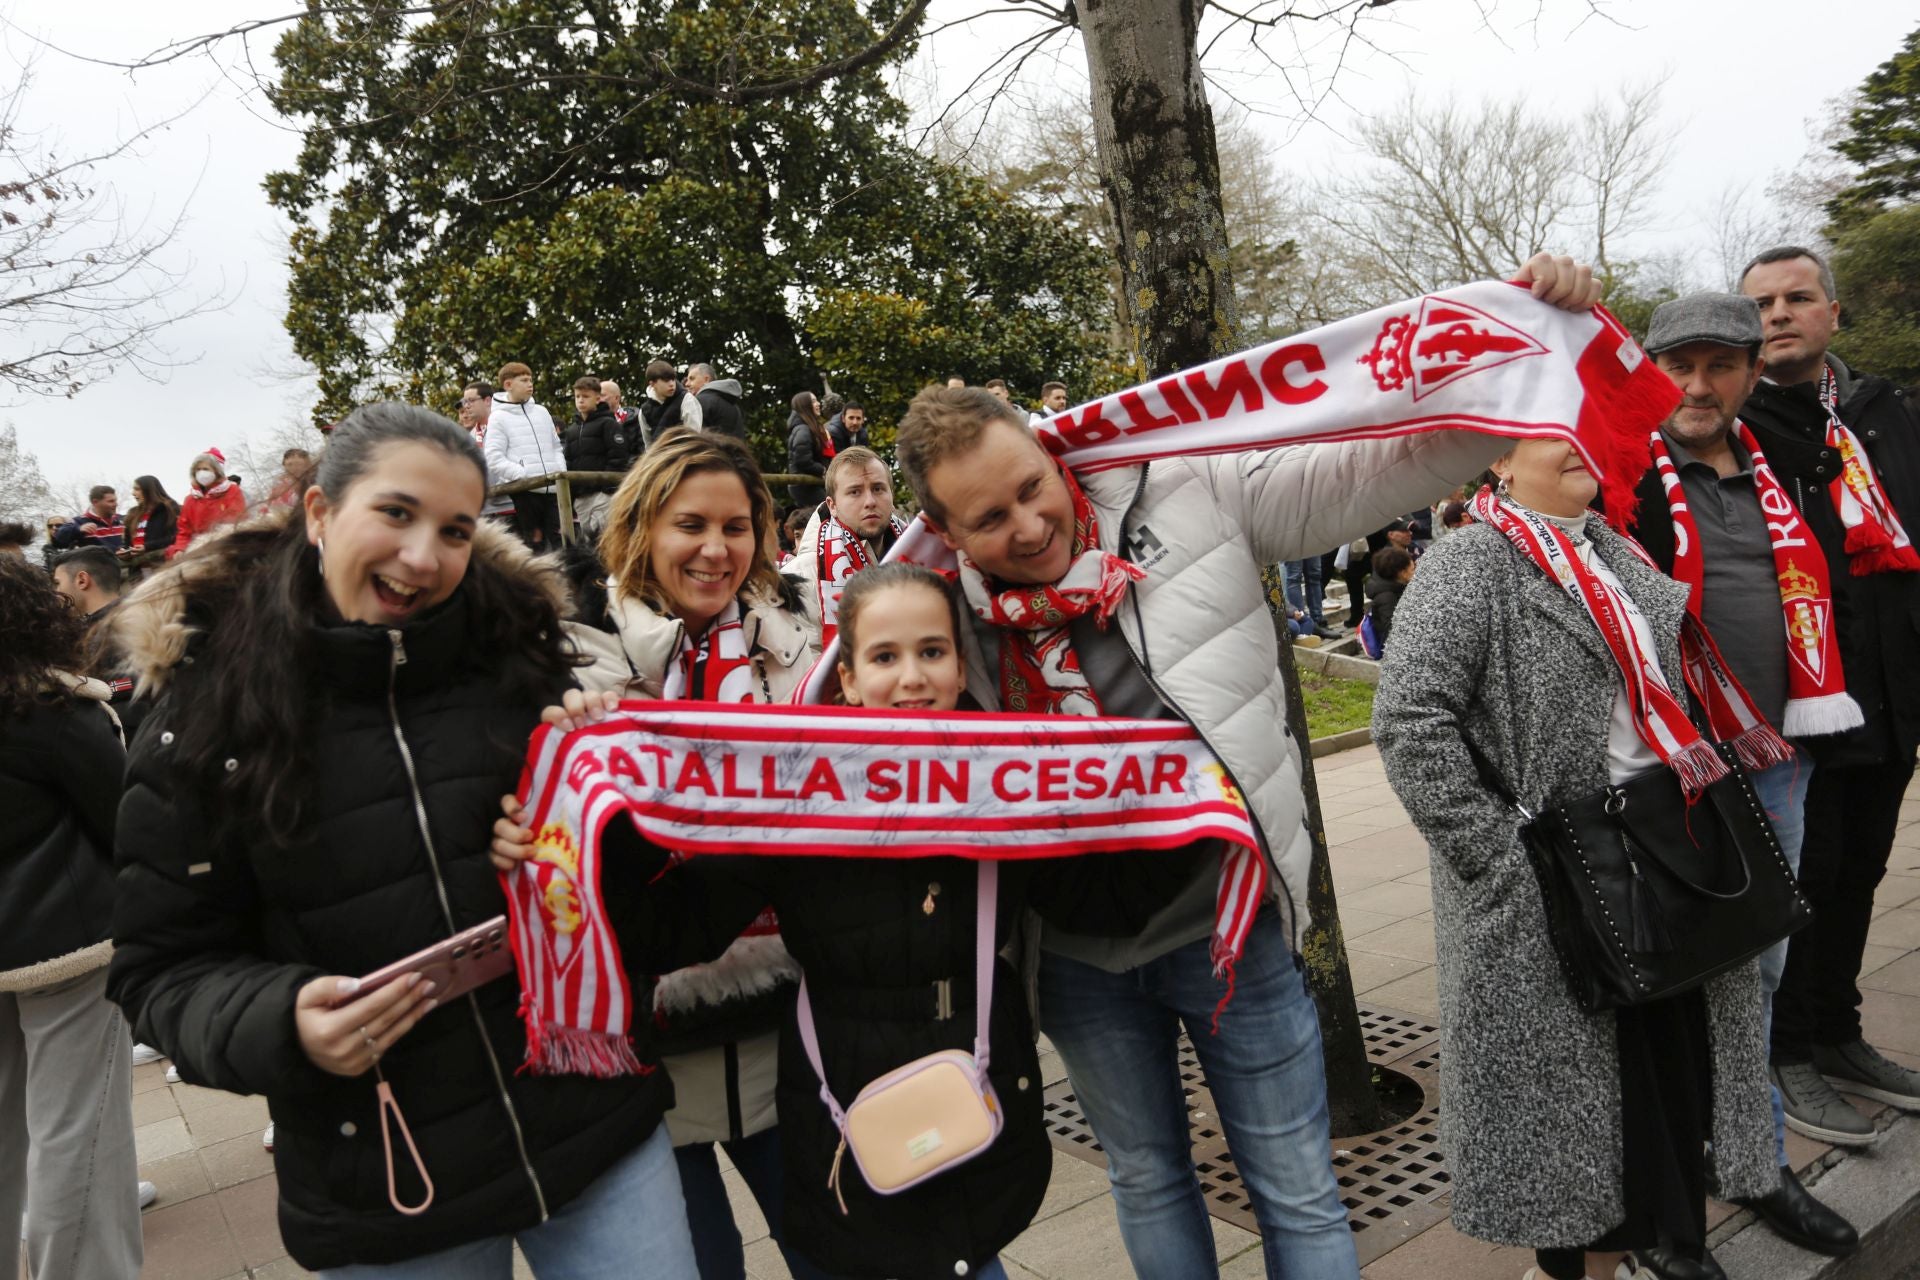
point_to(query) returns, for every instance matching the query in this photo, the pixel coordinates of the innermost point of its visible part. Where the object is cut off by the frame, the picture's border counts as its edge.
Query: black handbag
(1648, 896)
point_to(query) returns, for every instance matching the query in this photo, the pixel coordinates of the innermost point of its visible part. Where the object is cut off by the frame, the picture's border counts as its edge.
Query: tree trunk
(1162, 175)
(1161, 171)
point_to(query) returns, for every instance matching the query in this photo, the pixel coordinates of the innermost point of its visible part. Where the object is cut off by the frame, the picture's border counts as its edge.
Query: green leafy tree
(527, 180)
(1882, 137)
(1877, 270)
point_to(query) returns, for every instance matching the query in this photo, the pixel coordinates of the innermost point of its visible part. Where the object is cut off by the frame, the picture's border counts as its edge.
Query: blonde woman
(701, 612)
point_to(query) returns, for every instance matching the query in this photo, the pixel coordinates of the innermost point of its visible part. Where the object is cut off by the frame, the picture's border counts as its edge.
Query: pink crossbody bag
(933, 1113)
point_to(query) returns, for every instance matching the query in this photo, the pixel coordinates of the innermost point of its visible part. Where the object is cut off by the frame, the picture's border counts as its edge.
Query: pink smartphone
(456, 966)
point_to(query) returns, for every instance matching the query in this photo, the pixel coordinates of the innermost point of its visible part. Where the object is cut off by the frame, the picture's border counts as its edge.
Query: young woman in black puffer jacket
(343, 697)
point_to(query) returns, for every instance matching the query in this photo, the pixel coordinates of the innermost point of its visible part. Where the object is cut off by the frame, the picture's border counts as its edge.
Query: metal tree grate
(1393, 1183)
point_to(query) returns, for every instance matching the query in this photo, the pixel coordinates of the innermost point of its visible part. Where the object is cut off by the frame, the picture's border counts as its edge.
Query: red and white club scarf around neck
(839, 553)
(714, 668)
(1817, 699)
(1658, 716)
(700, 778)
(1876, 540)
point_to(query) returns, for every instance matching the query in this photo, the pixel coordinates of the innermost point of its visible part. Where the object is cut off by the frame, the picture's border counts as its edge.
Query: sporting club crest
(1442, 343)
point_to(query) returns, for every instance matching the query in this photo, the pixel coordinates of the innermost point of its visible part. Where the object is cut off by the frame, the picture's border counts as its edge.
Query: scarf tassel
(1817, 717)
(1871, 551)
(1760, 748)
(1699, 767)
(577, 1051)
(1647, 924)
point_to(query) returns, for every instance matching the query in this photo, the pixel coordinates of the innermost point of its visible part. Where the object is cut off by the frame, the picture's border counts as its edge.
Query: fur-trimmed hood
(155, 626)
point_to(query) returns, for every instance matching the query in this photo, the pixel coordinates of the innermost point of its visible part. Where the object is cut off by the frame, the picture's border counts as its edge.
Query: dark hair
(15, 534)
(1390, 562)
(96, 560)
(39, 633)
(996, 382)
(1454, 514)
(153, 497)
(98, 492)
(1787, 253)
(660, 371)
(481, 385)
(586, 382)
(267, 601)
(1051, 386)
(896, 573)
(849, 408)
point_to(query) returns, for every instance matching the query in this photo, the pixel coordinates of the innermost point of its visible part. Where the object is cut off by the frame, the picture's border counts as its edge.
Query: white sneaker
(148, 1193)
(145, 1053)
(173, 1074)
(266, 1139)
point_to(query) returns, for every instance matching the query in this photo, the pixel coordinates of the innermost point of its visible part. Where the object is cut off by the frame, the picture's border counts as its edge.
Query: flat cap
(1726, 318)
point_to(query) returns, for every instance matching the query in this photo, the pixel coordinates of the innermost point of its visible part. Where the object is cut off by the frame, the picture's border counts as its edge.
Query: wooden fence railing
(562, 482)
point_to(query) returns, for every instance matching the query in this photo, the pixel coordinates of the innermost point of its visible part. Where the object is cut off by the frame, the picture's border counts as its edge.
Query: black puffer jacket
(1878, 615)
(874, 936)
(215, 940)
(598, 442)
(805, 458)
(60, 770)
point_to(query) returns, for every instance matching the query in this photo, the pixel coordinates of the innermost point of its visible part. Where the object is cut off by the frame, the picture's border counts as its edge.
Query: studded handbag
(1648, 896)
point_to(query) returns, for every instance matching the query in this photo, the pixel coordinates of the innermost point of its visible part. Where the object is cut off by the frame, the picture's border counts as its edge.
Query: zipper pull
(399, 647)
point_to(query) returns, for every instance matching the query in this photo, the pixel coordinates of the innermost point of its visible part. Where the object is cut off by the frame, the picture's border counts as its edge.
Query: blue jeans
(631, 1211)
(716, 1240)
(1117, 1033)
(1783, 794)
(1305, 587)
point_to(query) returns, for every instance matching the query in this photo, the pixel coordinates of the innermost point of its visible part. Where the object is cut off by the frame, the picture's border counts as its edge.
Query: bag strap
(987, 908)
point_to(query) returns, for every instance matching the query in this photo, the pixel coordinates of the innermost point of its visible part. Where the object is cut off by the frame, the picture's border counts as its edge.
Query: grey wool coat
(1484, 647)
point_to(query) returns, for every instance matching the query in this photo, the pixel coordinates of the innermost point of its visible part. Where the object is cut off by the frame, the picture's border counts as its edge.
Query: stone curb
(1875, 1189)
(1347, 741)
(1339, 665)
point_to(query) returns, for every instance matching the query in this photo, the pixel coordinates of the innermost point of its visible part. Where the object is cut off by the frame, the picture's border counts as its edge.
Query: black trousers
(1355, 576)
(1852, 814)
(536, 518)
(1666, 1116)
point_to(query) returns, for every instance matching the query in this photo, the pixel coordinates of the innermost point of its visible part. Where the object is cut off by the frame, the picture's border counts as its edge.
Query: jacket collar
(359, 658)
(650, 638)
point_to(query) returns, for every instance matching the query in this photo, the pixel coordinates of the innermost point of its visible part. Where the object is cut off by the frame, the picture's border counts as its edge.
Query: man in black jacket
(667, 403)
(595, 440)
(1847, 446)
(719, 401)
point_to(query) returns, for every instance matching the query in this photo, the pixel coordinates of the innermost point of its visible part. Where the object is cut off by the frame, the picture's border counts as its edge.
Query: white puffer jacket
(521, 441)
(1198, 625)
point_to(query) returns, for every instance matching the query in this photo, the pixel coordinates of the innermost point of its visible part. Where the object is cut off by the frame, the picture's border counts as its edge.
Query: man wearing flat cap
(1714, 515)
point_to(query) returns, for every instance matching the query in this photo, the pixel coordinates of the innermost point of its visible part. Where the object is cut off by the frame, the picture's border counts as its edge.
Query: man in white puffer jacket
(1191, 640)
(523, 442)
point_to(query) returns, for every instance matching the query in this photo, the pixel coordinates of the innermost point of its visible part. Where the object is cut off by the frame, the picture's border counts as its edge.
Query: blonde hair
(857, 458)
(942, 422)
(626, 547)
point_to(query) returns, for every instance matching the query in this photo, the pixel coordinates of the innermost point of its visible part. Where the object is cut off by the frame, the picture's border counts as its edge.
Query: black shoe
(1670, 1264)
(1325, 632)
(1793, 1213)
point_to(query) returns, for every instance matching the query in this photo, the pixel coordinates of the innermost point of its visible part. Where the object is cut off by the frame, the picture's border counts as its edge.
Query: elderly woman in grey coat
(1579, 1135)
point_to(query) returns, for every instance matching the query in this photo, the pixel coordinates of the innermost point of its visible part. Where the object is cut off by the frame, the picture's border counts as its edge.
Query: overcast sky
(1746, 75)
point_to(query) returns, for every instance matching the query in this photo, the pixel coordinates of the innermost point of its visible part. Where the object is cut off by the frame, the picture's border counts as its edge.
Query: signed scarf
(1658, 716)
(1817, 699)
(716, 778)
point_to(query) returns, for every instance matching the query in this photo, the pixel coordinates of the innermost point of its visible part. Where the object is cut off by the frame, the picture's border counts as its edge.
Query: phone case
(470, 958)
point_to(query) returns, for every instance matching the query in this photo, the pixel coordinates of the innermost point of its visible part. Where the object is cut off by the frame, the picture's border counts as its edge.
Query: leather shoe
(1670, 1264)
(1793, 1213)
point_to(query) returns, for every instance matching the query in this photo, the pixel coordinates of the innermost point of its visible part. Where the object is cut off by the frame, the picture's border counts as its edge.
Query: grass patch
(1335, 705)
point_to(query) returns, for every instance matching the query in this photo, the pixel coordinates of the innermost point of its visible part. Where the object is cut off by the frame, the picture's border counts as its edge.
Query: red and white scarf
(1876, 540)
(839, 553)
(1817, 699)
(843, 782)
(1658, 716)
(714, 668)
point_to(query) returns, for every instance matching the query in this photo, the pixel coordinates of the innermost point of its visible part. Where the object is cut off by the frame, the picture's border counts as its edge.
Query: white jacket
(521, 441)
(1198, 625)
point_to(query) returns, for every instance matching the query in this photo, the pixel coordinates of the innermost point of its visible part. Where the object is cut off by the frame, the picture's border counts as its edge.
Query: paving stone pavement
(215, 1216)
